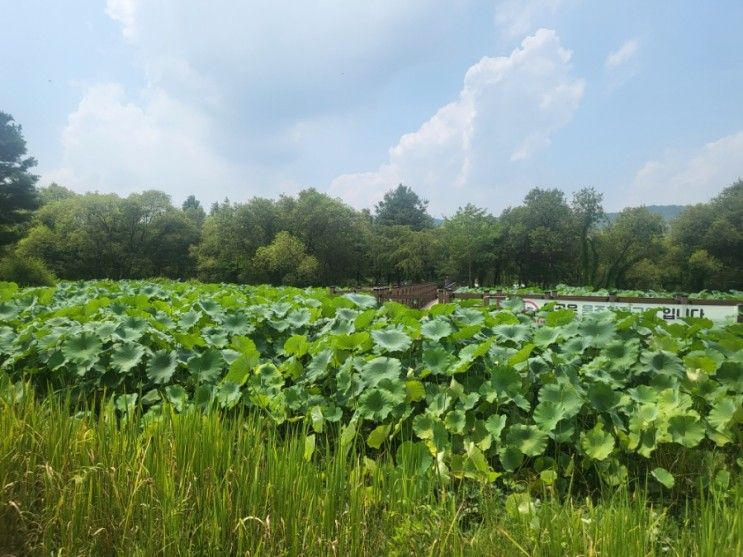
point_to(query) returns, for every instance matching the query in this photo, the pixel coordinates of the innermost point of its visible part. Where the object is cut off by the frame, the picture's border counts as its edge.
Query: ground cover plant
(535, 406)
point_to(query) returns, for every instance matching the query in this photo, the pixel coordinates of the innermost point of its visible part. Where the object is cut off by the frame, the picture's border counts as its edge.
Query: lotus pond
(542, 400)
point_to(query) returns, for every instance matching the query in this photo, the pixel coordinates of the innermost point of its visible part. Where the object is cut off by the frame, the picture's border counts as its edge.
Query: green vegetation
(164, 417)
(229, 414)
(314, 239)
(190, 483)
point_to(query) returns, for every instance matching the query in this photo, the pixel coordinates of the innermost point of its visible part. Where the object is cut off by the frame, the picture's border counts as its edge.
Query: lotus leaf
(436, 329)
(379, 369)
(664, 477)
(207, 366)
(597, 443)
(528, 439)
(83, 348)
(391, 340)
(161, 366)
(127, 356)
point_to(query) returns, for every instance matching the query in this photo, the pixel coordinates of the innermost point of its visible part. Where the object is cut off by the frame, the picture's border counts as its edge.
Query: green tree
(469, 239)
(714, 232)
(539, 238)
(635, 235)
(285, 261)
(332, 232)
(18, 195)
(54, 192)
(588, 213)
(402, 206)
(231, 235)
(104, 236)
(399, 253)
(192, 208)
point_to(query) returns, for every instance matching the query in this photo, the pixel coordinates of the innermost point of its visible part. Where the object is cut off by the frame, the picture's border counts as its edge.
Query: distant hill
(668, 212)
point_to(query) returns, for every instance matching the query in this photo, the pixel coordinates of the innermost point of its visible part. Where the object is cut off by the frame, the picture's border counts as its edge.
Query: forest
(314, 239)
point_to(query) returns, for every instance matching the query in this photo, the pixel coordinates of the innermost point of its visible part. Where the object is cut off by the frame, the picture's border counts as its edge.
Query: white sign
(666, 311)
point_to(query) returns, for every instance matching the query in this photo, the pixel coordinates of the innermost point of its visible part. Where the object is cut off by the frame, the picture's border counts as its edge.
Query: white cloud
(273, 63)
(516, 18)
(125, 12)
(478, 147)
(695, 177)
(112, 144)
(626, 53)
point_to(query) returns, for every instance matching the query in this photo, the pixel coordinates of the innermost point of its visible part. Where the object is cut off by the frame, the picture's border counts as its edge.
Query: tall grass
(193, 484)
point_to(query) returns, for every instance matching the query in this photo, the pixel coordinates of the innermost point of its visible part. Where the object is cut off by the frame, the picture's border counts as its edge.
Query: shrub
(26, 271)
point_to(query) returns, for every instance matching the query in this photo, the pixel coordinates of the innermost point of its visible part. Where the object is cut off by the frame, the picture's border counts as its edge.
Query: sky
(462, 100)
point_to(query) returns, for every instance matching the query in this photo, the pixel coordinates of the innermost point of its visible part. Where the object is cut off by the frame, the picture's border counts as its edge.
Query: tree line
(314, 239)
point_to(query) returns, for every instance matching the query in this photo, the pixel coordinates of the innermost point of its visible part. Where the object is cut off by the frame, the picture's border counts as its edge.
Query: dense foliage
(312, 238)
(18, 195)
(465, 391)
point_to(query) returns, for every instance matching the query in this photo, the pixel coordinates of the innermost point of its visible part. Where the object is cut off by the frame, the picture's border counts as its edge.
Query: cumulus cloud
(479, 146)
(273, 63)
(125, 12)
(113, 144)
(516, 18)
(693, 177)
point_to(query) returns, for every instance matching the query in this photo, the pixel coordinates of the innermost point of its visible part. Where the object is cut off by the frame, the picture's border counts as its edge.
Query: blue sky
(463, 100)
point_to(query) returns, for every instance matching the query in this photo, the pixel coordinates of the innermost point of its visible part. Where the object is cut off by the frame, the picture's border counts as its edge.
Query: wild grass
(193, 484)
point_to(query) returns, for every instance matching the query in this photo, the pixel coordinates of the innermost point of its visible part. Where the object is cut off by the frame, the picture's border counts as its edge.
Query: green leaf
(296, 345)
(686, 430)
(126, 357)
(455, 421)
(239, 370)
(544, 336)
(415, 390)
(424, 424)
(237, 324)
(547, 414)
(380, 368)
(495, 424)
(162, 366)
(703, 360)
(378, 436)
(437, 359)
(597, 443)
(730, 374)
(663, 363)
(436, 329)
(82, 348)
(511, 458)
(664, 477)
(318, 367)
(177, 396)
(559, 317)
(391, 340)
(597, 333)
(722, 413)
(602, 397)
(528, 439)
(515, 333)
(298, 318)
(228, 394)
(364, 301)
(375, 404)
(207, 366)
(309, 447)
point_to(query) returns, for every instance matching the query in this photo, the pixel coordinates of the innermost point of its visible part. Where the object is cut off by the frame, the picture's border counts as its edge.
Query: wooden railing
(414, 295)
